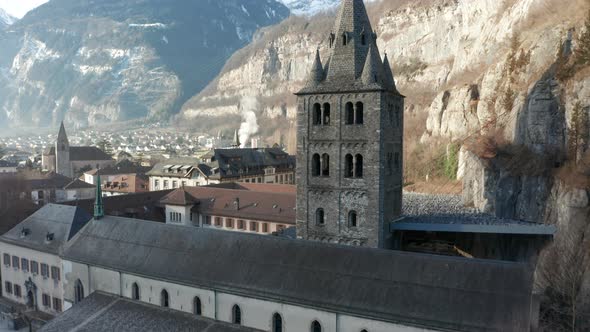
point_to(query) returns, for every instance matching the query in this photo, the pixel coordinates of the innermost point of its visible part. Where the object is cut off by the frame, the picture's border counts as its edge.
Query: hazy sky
(19, 8)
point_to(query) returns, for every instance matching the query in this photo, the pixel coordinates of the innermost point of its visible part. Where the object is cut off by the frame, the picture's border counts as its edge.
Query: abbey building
(350, 138)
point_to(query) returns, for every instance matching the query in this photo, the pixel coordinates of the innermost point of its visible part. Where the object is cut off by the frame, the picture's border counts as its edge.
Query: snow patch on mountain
(5, 19)
(312, 7)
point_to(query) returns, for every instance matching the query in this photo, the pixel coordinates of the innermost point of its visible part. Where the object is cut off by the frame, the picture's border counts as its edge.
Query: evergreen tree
(583, 47)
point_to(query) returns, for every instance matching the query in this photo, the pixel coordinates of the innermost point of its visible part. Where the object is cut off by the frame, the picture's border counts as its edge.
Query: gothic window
(363, 39)
(396, 161)
(135, 291)
(164, 299)
(319, 217)
(390, 163)
(78, 291)
(349, 113)
(344, 39)
(197, 306)
(316, 326)
(277, 323)
(325, 165)
(317, 114)
(326, 117)
(236, 315)
(348, 166)
(359, 113)
(358, 166)
(352, 219)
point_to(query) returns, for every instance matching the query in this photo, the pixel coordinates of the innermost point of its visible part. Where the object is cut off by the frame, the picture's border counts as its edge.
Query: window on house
(55, 275)
(264, 228)
(7, 260)
(15, 262)
(17, 291)
(315, 165)
(78, 291)
(135, 291)
(174, 184)
(319, 217)
(325, 165)
(277, 323)
(164, 299)
(326, 117)
(316, 326)
(56, 304)
(46, 300)
(349, 113)
(34, 267)
(157, 184)
(44, 270)
(8, 287)
(229, 223)
(253, 226)
(236, 315)
(348, 166)
(352, 219)
(165, 184)
(197, 306)
(207, 220)
(359, 113)
(317, 114)
(218, 222)
(24, 263)
(240, 224)
(358, 166)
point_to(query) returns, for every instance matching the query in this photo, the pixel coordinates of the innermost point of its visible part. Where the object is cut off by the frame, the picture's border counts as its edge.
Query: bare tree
(564, 304)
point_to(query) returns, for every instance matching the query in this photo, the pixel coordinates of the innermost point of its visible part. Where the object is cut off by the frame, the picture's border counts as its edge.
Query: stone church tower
(350, 138)
(62, 153)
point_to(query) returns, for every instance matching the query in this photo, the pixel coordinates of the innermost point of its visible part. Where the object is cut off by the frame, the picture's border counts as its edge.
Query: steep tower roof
(388, 79)
(62, 137)
(98, 205)
(317, 74)
(373, 70)
(236, 141)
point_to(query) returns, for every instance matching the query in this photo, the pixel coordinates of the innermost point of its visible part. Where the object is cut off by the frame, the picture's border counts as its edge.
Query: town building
(126, 184)
(31, 264)
(69, 160)
(56, 188)
(271, 166)
(252, 208)
(8, 167)
(350, 139)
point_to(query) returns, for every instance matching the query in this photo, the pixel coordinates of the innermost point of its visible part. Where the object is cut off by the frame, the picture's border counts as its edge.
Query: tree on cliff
(578, 132)
(582, 52)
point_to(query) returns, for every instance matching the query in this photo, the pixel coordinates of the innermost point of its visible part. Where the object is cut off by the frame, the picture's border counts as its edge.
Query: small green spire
(98, 205)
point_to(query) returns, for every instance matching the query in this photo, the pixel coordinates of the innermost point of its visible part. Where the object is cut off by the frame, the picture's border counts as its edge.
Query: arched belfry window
(358, 166)
(315, 165)
(236, 315)
(164, 299)
(349, 113)
(78, 291)
(359, 113)
(363, 39)
(348, 166)
(352, 219)
(135, 291)
(326, 114)
(277, 323)
(317, 114)
(320, 217)
(197, 307)
(325, 164)
(316, 326)
(344, 39)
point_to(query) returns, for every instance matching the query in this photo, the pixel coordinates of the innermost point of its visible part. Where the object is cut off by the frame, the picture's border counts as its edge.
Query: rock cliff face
(94, 62)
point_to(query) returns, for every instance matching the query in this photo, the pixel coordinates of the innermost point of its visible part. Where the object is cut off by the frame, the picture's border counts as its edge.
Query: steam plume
(249, 126)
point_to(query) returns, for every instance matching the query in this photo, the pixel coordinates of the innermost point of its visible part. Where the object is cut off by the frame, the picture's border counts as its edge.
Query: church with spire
(350, 139)
(67, 160)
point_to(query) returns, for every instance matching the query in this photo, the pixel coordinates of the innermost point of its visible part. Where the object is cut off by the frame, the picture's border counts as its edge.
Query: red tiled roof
(260, 203)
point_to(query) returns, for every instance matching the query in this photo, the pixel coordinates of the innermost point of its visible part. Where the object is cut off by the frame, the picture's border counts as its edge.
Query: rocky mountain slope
(94, 62)
(5, 19)
(310, 7)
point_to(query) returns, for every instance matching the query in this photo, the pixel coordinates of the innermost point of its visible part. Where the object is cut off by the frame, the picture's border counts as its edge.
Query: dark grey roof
(6, 163)
(413, 289)
(105, 312)
(60, 220)
(238, 162)
(82, 153)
